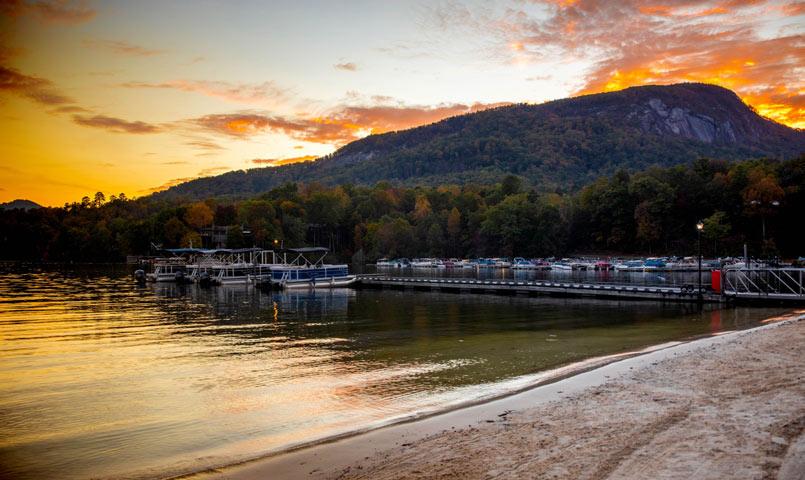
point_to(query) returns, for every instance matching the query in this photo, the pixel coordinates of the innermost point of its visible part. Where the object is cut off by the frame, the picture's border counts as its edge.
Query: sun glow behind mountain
(128, 96)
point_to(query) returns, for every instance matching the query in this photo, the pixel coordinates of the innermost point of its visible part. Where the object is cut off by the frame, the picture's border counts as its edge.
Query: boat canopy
(210, 251)
(305, 256)
(306, 250)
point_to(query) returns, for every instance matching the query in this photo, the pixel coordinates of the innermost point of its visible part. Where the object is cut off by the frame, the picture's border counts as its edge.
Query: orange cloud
(636, 43)
(338, 126)
(276, 162)
(170, 183)
(387, 118)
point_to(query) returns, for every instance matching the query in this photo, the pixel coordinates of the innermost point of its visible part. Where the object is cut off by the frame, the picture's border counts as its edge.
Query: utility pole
(699, 228)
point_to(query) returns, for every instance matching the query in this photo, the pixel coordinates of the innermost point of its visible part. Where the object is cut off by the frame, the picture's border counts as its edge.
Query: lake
(100, 377)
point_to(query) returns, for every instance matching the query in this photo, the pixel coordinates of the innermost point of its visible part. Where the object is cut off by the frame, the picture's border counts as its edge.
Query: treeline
(651, 212)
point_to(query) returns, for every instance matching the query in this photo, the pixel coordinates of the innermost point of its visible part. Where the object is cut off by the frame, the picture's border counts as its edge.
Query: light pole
(699, 228)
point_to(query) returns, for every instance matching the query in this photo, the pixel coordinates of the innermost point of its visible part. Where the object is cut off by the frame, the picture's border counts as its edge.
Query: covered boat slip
(286, 268)
(305, 268)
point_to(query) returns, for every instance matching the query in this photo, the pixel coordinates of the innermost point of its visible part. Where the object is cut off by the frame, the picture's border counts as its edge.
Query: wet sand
(729, 406)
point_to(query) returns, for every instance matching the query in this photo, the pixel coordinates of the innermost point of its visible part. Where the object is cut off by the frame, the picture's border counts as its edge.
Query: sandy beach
(729, 406)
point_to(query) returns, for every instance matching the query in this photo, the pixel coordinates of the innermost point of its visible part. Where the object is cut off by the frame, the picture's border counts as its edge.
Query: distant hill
(559, 144)
(19, 203)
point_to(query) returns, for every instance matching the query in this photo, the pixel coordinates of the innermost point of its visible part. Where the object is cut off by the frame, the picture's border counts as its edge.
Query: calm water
(99, 377)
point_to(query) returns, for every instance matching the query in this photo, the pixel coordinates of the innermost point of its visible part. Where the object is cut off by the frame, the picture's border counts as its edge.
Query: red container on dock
(715, 280)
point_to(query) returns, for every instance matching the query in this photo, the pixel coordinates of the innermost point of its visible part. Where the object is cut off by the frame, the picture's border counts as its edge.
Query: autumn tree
(198, 215)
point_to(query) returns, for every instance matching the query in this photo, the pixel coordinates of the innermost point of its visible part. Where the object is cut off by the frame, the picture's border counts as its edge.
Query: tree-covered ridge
(648, 212)
(563, 144)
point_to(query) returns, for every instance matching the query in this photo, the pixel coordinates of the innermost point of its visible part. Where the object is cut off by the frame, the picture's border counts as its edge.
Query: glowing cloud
(338, 126)
(276, 162)
(628, 43)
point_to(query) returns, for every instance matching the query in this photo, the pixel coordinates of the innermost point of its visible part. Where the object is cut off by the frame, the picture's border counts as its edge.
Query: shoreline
(334, 455)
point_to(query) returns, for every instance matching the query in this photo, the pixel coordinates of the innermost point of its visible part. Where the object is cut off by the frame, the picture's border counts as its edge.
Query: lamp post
(699, 228)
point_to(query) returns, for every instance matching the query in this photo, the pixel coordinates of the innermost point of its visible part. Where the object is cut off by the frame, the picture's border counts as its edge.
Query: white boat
(232, 274)
(502, 263)
(401, 263)
(384, 262)
(305, 268)
(561, 266)
(630, 266)
(168, 270)
(422, 263)
(520, 263)
(395, 263)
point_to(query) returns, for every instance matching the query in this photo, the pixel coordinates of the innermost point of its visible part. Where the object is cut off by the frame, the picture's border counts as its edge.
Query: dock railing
(765, 283)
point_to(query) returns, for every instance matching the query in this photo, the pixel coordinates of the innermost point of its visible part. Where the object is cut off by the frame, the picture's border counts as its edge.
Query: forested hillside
(560, 145)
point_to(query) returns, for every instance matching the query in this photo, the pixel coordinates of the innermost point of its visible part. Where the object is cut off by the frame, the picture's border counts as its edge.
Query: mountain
(19, 203)
(560, 144)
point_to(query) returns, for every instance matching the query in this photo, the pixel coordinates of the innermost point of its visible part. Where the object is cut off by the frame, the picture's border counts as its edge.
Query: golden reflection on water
(101, 378)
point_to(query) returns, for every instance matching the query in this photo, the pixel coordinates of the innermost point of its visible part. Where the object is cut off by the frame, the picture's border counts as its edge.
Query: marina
(717, 281)
(286, 268)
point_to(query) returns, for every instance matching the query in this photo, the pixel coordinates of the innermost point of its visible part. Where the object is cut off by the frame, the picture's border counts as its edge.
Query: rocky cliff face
(661, 119)
(696, 111)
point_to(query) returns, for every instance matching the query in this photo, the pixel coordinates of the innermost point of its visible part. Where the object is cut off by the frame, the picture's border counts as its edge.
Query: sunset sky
(133, 96)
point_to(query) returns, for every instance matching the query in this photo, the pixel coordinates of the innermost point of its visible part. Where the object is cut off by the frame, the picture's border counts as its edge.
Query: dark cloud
(63, 11)
(38, 89)
(204, 145)
(50, 11)
(116, 125)
(71, 109)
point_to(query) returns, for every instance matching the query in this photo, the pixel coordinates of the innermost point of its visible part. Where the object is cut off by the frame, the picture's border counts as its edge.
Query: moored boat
(168, 270)
(305, 268)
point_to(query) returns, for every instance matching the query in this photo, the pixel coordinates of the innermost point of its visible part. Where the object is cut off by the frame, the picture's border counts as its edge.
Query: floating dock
(685, 293)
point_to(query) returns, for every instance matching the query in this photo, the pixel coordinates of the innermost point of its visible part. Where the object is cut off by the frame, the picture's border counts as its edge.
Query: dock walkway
(559, 289)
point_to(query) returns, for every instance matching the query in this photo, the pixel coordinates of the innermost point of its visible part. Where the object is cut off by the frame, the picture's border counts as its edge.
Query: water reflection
(100, 378)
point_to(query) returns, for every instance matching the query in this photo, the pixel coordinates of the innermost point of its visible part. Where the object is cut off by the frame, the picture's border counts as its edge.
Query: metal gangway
(764, 283)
